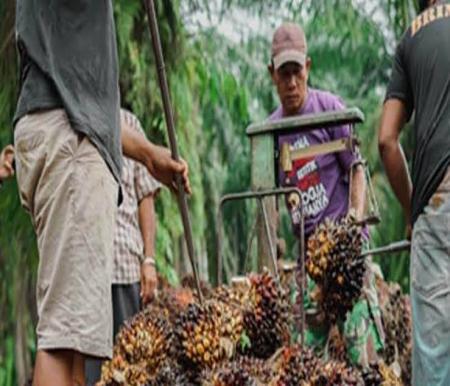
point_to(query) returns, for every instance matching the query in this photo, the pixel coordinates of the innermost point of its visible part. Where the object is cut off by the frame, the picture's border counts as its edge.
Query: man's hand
(149, 282)
(6, 162)
(163, 167)
(157, 159)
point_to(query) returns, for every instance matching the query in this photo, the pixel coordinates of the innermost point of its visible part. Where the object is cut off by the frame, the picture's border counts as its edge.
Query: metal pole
(153, 26)
(398, 246)
(302, 278)
(243, 196)
(269, 239)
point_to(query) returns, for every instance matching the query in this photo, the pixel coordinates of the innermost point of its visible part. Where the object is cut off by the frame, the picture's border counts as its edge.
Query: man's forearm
(397, 171)
(358, 192)
(147, 223)
(135, 145)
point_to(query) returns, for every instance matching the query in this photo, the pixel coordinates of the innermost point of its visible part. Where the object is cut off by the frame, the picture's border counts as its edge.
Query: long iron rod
(269, 238)
(397, 246)
(302, 274)
(156, 42)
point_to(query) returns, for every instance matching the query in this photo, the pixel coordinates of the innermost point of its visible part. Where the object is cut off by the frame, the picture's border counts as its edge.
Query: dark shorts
(126, 303)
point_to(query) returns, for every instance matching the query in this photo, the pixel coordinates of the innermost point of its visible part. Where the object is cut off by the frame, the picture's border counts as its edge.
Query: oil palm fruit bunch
(174, 301)
(230, 321)
(334, 373)
(188, 281)
(266, 316)
(118, 372)
(257, 368)
(197, 330)
(295, 366)
(236, 295)
(388, 376)
(396, 314)
(405, 339)
(336, 346)
(170, 374)
(142, 345)
(391, 319)
(147, 337)
(334, 262)
(319, 249)
(372, 375)
(231, 374)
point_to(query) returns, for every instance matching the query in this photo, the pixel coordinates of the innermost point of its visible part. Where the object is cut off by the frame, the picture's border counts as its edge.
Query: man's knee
(54, 367)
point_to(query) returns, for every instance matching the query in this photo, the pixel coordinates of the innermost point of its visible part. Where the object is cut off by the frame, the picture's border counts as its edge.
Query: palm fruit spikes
(334, 373)
(379, 374)
(229, 375)
(198, 332)
(230, 321)
(142, 346)
(119, 372)
(256, 368)
(396, 316)
(266, 316)
(334, 262)
(295, 366)
(372, 376)
(170, 374)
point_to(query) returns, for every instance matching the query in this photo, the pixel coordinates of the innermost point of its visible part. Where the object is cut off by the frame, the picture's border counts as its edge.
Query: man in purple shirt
(331, 184)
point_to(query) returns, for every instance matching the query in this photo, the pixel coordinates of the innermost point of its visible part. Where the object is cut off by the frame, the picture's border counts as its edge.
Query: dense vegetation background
(217, 54)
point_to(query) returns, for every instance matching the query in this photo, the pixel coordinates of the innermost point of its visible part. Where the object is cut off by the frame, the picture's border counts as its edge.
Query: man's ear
(308, 63)
(271, 70)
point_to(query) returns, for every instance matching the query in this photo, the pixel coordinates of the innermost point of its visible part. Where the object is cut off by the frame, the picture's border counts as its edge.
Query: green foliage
(219, 84)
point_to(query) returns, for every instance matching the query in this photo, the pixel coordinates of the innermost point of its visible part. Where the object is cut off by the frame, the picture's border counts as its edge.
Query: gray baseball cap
(288, 45)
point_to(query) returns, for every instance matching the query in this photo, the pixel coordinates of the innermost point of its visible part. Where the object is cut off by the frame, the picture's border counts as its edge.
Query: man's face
(291, 83)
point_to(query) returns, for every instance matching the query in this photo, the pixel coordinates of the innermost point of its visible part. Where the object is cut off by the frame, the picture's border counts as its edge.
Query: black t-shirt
(68, 59)
(421, 79)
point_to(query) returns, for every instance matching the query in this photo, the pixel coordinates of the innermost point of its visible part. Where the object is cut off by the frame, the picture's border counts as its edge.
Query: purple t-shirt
(324, 179)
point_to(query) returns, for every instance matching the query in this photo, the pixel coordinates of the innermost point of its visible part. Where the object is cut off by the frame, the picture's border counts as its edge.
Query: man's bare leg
(54, 367)
(78, 370)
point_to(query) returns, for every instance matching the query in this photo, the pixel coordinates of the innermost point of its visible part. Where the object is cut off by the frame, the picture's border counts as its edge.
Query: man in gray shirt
(68, 151)
(420, 83)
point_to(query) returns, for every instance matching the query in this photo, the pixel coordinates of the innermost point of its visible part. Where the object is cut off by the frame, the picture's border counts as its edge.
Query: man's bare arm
(157, 159)
(392, 155)
(358, 192)
(147, 224)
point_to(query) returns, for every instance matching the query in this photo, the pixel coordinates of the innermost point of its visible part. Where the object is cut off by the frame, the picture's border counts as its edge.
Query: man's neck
(298, 110)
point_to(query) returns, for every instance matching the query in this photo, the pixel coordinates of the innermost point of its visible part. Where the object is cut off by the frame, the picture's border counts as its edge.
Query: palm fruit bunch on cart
(334, 373)
(229, 375)
(334, 262)
(267, 316)
(241, 371)
(118, 371)
(397, 321)
(379, 374)
(240, 335)
(294, 366)
(170, 374)
(142, 346)
(197, 332)
(372, 375)
(336, 345)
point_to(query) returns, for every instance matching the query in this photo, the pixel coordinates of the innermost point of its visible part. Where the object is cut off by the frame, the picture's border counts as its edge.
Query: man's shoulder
(277, 114)
(131, 119)
(323, 100)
